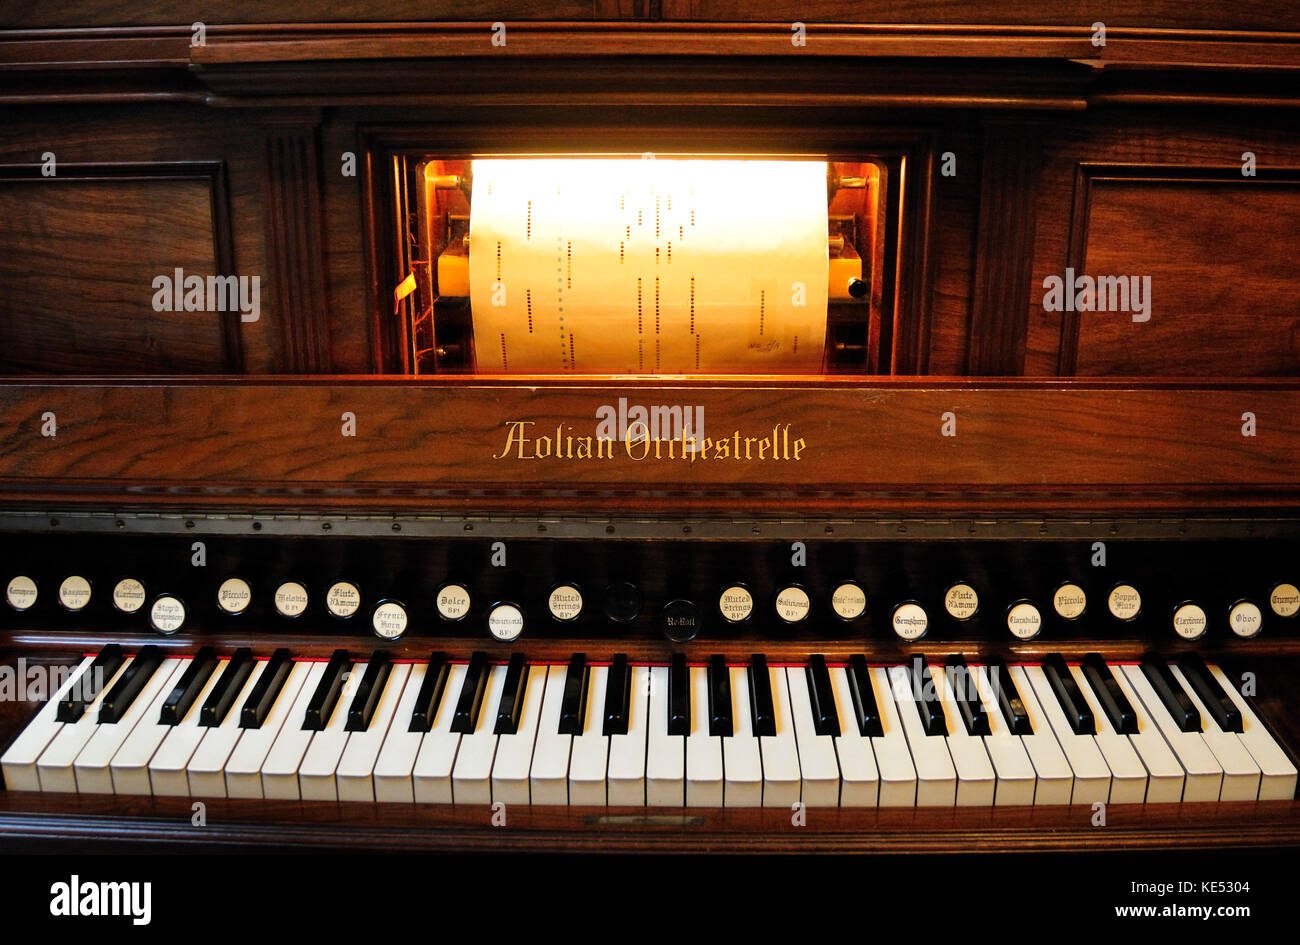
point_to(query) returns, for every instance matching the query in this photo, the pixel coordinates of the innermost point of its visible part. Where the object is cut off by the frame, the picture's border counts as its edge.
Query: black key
(429, 697)
(961, 682)
(1066, 689)
(821, 697)
(191, 683)
(266, 690)
(618, 696)
(573, 705)
(128, 686)
(679, 696)
(368, 692)
(1217, 702)
(1010, 704)
(512, 696)
(933, 720)
(223, 694)
(1171, 694)
(761, 706)
(865, 709)
(326, 696)
(720, 721)
(1107, 689)
(87, 686)
(471, 694)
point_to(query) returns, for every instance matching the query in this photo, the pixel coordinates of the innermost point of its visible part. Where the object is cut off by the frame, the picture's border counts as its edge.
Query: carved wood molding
(1003, 250)
(295, 242)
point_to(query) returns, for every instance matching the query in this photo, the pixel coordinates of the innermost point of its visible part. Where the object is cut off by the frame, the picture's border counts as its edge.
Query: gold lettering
(515, 436)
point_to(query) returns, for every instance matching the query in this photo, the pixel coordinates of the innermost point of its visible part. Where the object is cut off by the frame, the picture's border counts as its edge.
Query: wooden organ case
(650, 418)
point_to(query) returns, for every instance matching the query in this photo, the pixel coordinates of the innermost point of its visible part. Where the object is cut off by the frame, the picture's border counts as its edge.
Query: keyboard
(921, 732)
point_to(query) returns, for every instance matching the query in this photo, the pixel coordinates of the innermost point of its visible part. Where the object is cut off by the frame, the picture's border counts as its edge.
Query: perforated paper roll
(628, 266)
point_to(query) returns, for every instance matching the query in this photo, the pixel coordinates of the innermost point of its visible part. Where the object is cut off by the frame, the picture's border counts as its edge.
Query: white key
(1203, 774)
(317, 779)
(1055, 776)
(356, 767)
(1129, 779)
(859, 777)
(589, 758)
(936, 778)
(1165, 776)
(893, 757)
(129, 767)
(742, 763)
(703, 751)
(207, 768)
(54, 767)
(514, 759)
(280, 767)
(19, 761)
(665, 764)
(1092, 777)
(396, 761)
(91, 766)
(782, 779)
(819, 769)
(1279, 774)
(244, 769)
(627, 753)
(167, 767)
(431, 774)
(976, 783)
(471, 777)
(549, 776)
(1017, 781)
(1241, 775)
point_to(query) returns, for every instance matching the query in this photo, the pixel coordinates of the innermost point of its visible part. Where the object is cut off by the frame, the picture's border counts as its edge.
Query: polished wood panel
(1186, 177)
(80, 252)
(868, 447)
(1220, 251)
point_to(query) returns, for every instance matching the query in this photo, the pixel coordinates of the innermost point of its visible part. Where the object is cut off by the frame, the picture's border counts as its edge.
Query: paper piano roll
(653, 266)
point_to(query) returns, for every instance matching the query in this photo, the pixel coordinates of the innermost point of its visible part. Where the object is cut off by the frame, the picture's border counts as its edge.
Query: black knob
(680, 621)
(859, 288)
(622, 602)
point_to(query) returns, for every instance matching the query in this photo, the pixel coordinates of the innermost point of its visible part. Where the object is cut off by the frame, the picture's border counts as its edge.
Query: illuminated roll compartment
(644, 265)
